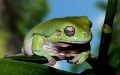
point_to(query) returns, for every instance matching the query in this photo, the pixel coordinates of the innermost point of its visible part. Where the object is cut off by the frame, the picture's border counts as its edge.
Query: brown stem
(106, 37)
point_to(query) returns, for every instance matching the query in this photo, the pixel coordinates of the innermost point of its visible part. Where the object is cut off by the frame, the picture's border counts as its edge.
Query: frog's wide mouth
(73, 47)
(76, 42)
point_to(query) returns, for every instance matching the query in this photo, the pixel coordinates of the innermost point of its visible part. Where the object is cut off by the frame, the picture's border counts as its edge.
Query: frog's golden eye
(69, 31)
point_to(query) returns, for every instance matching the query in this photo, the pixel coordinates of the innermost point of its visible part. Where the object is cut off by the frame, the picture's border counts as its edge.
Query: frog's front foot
(51, 61)
(80, 58)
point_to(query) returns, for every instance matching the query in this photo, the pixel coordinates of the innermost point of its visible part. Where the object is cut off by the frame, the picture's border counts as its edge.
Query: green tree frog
(48, 38)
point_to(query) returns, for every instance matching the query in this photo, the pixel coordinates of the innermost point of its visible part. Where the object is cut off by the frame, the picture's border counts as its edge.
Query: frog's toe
(61, 57)
(77, 61)
(73, 61)
(81, 60)
(51, 61)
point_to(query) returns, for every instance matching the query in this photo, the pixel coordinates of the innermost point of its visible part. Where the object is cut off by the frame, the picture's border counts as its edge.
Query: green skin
(44, 38)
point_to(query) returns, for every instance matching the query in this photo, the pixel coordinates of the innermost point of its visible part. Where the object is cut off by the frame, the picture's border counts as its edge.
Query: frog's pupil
(69, 31)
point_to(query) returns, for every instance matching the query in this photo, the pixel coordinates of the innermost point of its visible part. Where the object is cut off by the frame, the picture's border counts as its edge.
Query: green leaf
(118, 72)
(13, 67)
(73, 68)
(114, 58)
(35, 59)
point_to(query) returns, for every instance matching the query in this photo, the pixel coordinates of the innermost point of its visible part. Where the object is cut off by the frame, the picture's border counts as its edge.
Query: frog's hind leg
(37, 47)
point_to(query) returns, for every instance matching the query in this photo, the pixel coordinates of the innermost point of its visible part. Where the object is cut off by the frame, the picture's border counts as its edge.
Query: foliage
(30, 13)
(13, 67)
(114, 58)
(17, 17)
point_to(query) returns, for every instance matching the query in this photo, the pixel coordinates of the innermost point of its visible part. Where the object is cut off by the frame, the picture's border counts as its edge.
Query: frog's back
(45, 29)
(48, 27)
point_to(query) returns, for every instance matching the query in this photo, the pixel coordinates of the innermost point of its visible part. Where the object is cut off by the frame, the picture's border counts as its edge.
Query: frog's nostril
(84, 33)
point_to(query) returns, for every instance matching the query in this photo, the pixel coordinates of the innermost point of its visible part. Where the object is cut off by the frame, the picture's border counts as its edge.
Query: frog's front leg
(37, 47)
(80, 58)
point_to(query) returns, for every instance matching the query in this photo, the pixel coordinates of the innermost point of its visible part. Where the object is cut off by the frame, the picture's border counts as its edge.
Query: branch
(43, 60)
(14, 67)
(106, 37)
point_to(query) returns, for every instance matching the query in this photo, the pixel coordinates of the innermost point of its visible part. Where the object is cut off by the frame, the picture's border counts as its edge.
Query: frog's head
(75, 30)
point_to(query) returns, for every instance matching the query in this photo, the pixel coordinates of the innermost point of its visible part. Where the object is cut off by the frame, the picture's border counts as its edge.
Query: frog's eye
(69, 31)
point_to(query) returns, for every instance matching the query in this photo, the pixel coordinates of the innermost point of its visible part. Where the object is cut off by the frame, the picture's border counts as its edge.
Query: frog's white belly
(27, 47)
(51, 49)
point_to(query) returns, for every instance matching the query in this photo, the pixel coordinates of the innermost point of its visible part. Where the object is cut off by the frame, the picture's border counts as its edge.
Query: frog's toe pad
(61, 57)
(73, 61)
(77, 61)
(81, 60)
(51, 61)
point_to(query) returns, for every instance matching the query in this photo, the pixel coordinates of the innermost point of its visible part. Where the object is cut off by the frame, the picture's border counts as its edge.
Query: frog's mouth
(76, 42)
(73, 46)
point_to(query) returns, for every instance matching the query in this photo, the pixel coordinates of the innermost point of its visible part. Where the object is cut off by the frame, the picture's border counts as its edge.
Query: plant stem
(106, 37)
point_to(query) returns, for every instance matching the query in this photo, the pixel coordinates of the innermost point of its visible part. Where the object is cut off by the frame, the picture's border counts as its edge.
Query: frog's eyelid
(58, 31)
(38, 34)
(35, 34)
